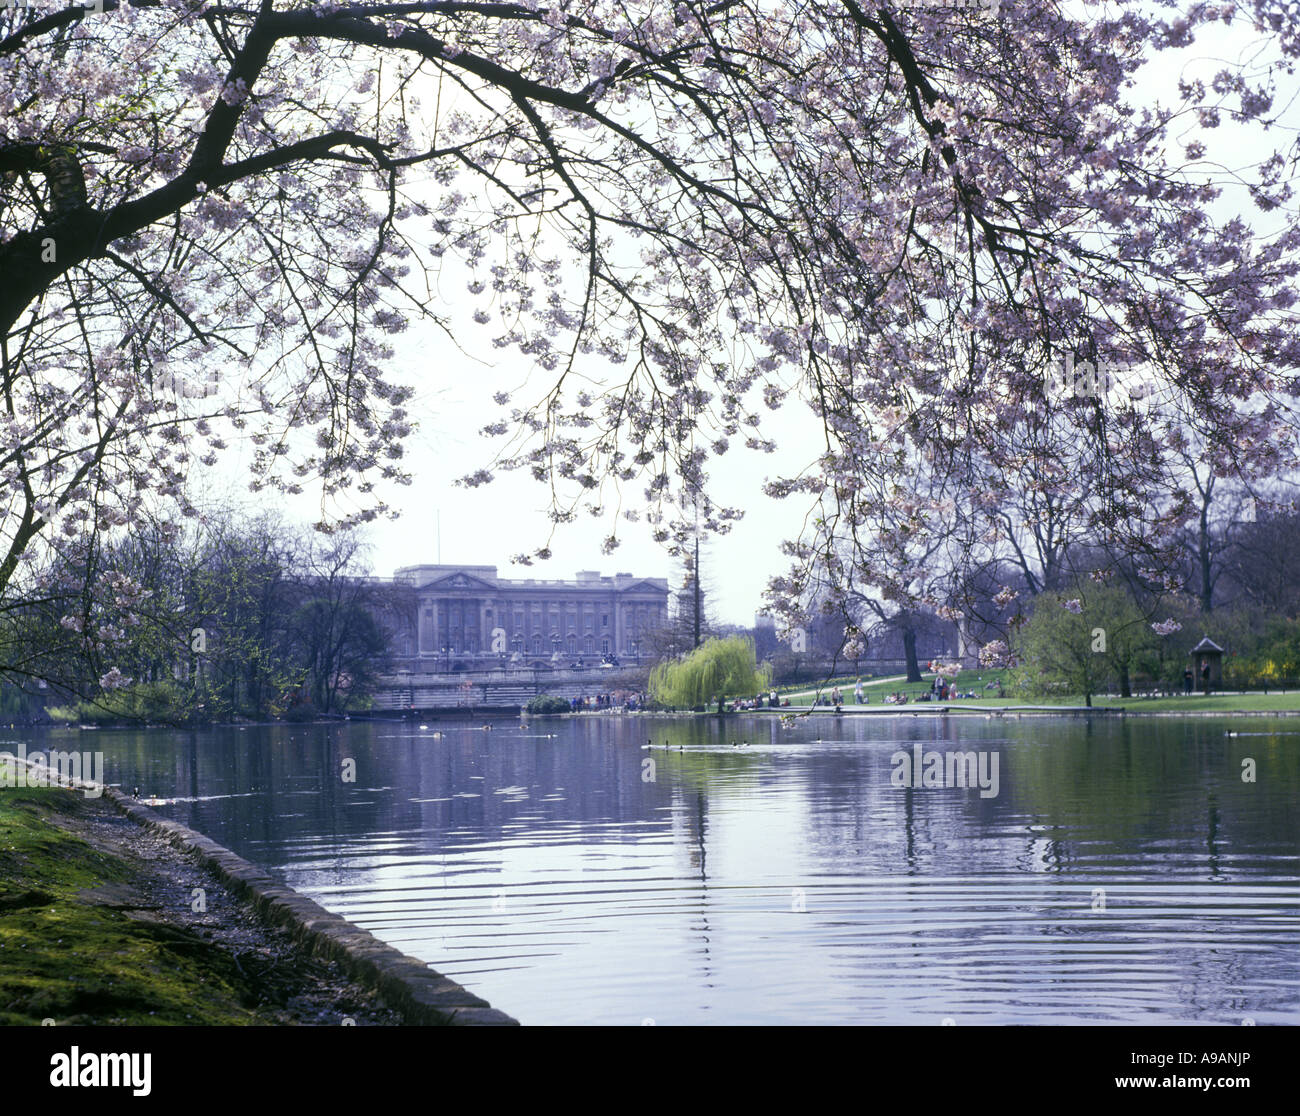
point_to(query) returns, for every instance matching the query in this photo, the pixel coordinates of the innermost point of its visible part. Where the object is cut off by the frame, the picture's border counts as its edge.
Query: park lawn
(976, 680)
(842, 681)
(63, 956)
(875, 692)
(1193, 703)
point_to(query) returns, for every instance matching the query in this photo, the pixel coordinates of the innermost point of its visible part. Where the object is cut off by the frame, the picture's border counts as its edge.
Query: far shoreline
(911, 709)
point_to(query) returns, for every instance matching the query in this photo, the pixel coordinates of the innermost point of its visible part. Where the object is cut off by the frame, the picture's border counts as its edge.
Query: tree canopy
(714, 671)
(1079, 641)
(218, 215)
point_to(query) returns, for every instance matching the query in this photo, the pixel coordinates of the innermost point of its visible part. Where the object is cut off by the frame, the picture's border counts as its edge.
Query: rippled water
(1124, 872)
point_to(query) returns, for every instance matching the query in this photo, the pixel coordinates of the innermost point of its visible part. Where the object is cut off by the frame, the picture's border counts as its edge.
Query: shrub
(548, 703)
(303, 711)
(144, 701)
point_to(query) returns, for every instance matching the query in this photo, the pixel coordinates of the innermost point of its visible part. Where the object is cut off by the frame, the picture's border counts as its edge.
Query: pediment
(644, 587)
(459, 582)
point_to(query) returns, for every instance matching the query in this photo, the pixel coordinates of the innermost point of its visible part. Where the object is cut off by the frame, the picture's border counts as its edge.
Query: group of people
(836, 697)
(772, 701)
(630, 702)
(940, 690)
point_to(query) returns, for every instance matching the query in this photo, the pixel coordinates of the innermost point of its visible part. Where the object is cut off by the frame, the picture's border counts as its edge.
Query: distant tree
(688, 624)
(766, 644)
(339, 645)
(715, 671)
(335, 636)
(1078, 640)
(1261, 566)
(241, 593)
(691, 616)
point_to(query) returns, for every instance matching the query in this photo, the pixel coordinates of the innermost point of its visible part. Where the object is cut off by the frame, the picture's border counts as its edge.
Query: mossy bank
(103, 922)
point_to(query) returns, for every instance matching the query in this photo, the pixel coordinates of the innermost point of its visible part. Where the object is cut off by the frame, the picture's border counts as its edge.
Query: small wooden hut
(1207, 665)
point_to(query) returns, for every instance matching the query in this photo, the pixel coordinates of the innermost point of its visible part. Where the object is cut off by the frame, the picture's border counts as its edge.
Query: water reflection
(1125, 872)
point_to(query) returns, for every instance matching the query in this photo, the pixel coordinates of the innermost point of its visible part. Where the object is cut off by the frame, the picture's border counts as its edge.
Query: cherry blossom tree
(218, 215)
(1102, 247)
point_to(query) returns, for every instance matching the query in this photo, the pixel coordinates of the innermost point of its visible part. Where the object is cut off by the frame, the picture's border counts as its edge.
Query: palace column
(423, 626)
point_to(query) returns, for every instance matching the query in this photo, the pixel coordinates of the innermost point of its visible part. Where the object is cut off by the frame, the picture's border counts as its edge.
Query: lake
(1124, 871)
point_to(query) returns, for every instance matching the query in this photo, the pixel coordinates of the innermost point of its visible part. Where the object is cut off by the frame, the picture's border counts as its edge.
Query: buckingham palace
(468, 618)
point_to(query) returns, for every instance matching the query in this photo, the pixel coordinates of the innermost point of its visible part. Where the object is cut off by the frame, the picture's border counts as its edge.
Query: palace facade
(467, 617)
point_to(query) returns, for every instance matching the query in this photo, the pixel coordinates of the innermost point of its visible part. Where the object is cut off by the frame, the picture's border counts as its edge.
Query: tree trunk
(1125, 686)
(699, 603)
(1207, 588)
(909, 652)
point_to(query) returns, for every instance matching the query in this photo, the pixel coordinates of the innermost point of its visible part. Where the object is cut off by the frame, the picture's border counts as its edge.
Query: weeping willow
(714, 671)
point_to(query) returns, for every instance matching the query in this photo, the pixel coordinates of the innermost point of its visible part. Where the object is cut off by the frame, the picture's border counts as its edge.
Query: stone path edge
(422, 995)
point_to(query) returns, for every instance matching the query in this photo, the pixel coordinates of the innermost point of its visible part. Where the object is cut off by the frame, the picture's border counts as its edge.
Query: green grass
(846, 680)
(65, 958)
(976, 680)
(1194, 703)
(875, 692)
